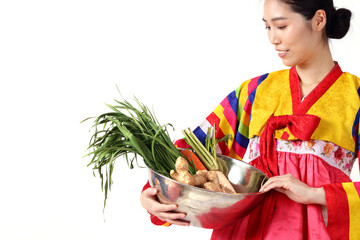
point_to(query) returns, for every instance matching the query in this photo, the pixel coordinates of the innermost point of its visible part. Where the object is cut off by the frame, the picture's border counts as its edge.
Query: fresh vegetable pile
(129, 132)
(211, 180)
(213, 170)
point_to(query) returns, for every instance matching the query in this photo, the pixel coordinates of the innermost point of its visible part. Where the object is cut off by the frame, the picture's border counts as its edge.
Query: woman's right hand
(164, 212)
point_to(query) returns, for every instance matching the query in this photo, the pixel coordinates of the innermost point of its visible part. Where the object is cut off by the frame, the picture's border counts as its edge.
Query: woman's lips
(282, 53)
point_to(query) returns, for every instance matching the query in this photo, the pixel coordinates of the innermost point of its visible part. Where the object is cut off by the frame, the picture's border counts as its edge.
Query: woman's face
(289, 32)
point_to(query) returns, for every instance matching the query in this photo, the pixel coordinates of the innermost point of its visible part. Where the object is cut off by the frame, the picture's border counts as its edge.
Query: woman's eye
(282, 27)
(267, 28)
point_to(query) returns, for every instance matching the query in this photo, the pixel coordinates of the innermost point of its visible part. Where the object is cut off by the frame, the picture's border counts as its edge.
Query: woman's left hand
(295, 189)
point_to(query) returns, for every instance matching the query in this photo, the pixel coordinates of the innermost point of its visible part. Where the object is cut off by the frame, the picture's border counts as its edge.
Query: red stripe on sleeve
(239, 150)
(213, 119)
(229, 114)
(248, 106)
(180, 143)
(338, 211)
(253, 84)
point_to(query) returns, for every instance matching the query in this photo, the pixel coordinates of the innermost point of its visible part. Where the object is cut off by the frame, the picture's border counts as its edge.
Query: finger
(281, 190)
(172, 216)
(152, 205)
(275, 183)
(159, 207)
(284, 179)
(179, 222)
(175, 218)
(147, 198)
(150, 192)
(269, 182)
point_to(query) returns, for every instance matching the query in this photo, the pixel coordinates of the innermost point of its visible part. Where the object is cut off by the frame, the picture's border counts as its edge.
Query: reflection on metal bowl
(208, 209)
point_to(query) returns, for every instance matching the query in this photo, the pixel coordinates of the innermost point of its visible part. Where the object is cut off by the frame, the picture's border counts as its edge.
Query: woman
(301, 127)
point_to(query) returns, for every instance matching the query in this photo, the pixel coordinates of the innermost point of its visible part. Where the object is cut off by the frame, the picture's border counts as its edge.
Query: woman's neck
(313, 71)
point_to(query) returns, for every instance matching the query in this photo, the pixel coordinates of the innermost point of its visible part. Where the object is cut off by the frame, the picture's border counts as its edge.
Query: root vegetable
(213, 177)
(203, 173)
(217, 178)
(199, 180)
(193, 158)
(224, 183)
(210, 180)
(183, 177)
(181, 164)
(226, 190)
(174, 175)
(213, 187)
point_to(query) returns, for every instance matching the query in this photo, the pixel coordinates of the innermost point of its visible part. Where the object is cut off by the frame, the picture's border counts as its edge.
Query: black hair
(338, 20)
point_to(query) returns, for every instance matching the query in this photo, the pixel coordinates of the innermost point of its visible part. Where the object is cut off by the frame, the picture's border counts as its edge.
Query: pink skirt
(292, 220)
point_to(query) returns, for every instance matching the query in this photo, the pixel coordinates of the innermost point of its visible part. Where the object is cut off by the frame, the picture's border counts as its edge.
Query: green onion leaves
(130, 132)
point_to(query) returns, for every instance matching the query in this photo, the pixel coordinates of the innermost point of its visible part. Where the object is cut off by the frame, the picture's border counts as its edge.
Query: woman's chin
(288, 63)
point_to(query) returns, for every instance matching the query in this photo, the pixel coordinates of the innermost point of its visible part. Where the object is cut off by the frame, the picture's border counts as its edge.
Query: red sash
(302, 127)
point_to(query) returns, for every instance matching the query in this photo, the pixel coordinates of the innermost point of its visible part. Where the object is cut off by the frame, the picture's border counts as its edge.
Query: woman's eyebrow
(275, 19)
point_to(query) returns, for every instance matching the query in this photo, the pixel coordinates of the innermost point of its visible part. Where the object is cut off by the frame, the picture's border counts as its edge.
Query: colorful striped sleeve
(356, 130)
(343, 206)
(343, 200)
(229, 117)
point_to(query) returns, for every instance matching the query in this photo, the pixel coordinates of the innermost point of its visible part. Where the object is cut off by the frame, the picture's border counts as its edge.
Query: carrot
(192, 157)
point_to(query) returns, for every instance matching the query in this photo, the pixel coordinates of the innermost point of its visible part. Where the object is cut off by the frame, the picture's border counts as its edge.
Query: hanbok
(314, 138)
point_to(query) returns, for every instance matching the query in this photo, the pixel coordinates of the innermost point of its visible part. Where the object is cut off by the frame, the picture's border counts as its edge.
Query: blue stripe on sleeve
(199, 133)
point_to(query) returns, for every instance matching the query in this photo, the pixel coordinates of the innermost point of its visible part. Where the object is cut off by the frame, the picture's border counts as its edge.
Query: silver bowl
(209, 209)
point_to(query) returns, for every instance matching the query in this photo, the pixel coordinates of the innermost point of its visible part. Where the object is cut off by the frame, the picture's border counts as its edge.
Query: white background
(60, 62)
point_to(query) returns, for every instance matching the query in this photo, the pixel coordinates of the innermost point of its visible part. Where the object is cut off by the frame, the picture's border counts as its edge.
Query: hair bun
(338, 23)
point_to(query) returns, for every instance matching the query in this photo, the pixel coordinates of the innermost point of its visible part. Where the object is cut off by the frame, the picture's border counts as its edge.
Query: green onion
(130, 132)
(207, 153)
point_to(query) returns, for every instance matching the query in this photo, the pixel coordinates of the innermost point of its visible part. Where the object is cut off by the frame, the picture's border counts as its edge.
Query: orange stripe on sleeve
(166, 224)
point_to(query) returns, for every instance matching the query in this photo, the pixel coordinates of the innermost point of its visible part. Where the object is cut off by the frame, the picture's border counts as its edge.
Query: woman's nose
(274, 38)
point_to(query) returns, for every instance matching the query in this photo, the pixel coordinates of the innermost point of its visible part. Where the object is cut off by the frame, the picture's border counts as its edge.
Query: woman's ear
(319, 20)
